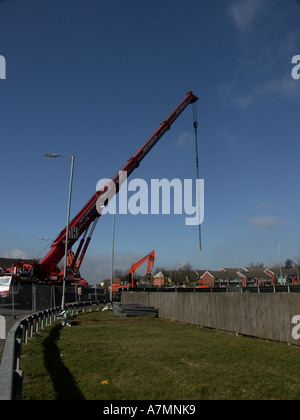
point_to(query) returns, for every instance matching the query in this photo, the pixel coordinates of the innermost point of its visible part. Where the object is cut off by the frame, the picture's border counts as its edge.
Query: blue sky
(95, 78)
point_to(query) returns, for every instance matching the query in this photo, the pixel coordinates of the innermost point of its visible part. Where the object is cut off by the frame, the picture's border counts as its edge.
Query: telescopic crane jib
(84, 223)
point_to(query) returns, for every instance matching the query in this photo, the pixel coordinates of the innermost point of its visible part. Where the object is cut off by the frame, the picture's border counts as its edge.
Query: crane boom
(89, 213)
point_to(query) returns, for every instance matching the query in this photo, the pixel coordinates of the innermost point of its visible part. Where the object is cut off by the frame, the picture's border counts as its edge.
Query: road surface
(11, 316)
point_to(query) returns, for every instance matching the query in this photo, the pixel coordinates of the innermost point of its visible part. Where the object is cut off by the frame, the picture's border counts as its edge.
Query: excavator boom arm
(150, 258)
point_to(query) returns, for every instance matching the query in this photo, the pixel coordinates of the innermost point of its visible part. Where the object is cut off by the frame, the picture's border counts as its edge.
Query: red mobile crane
(129, 282)
(84, 223)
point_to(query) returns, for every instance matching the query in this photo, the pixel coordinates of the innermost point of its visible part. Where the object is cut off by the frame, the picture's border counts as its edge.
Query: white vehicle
(7, 283)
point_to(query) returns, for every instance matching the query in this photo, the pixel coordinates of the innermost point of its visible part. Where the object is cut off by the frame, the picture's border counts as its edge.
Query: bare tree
(186, 267)
(289, 263)
(257, 265)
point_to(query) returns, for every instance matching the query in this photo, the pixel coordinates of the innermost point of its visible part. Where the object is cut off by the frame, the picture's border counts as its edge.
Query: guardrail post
(55, 312)
(42, 320)
(31, 327)
(36, 318)
(25, 335)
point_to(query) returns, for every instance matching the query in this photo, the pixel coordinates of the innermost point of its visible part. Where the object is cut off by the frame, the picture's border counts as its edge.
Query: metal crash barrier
(11, 377)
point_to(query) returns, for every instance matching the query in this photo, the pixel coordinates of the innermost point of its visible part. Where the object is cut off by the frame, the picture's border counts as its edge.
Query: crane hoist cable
(197, 169)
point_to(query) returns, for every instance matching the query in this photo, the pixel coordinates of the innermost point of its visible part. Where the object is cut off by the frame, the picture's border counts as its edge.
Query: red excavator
(83, 225)
(129, 282)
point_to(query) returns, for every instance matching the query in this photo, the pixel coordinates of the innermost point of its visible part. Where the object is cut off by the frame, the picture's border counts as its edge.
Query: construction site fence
(11, 376)
(230, 289)
(38, 297)
(266, 315)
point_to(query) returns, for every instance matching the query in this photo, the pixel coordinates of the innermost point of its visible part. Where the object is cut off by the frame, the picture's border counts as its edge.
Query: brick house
(233, 279)
(208, 279)
(254, 278)
(160, 280)
(291, 275)
(220, 278)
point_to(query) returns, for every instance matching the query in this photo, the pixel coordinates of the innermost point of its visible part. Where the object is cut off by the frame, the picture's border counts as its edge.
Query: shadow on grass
(63, 381)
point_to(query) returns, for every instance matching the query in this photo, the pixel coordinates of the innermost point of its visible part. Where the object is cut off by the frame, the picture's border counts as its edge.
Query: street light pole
(279, 253)
(54, 155)
(112, 256)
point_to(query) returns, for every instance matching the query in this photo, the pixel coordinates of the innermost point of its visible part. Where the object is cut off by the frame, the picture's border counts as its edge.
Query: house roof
(285, 271)
(258, 274)
(182, 275)
(253, 268)
(230, 269)
(159, 274)
(217, 274)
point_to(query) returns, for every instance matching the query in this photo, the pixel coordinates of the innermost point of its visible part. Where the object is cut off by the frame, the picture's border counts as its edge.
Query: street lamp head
(55, 155)
(51, 155)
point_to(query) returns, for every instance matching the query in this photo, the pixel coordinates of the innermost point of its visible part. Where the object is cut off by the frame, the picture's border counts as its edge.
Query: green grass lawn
(104, 357)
